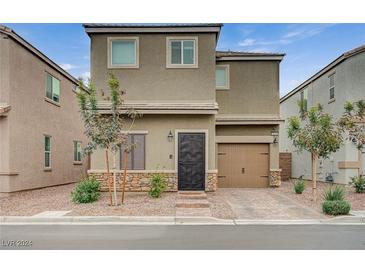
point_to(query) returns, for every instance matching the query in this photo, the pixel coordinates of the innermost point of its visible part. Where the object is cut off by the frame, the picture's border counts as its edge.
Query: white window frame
(76, 160)
(50, 152)
(333, 74)
(45, 94)
(168, 51)
(226, 87)
(126, 38)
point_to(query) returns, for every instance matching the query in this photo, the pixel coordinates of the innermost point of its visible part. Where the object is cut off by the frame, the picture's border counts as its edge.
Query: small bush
(358, 183)
(334, 194)
(336, 207)
(157, 185)
(299, 186)
(86, 191)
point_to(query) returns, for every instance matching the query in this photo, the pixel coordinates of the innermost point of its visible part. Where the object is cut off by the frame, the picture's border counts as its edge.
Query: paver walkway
(265, 203)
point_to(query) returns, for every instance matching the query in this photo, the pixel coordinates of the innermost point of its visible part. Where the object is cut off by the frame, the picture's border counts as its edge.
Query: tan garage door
(243, 165)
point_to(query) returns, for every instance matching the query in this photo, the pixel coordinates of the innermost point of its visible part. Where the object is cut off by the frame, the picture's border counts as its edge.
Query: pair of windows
(124, 52)
(53, 88)
(47, 151)
(136, 157)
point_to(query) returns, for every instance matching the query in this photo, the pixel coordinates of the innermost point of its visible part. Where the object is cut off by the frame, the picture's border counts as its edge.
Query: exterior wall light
(275, 134)
(170, 137)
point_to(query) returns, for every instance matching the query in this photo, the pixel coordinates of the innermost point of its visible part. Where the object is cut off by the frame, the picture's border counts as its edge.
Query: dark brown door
(243, 165)
(191, 161)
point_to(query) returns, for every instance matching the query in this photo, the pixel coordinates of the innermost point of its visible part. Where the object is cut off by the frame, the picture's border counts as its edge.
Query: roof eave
(11, 33)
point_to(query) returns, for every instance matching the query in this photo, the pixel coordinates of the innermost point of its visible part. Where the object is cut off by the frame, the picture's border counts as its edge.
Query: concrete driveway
(264, 203)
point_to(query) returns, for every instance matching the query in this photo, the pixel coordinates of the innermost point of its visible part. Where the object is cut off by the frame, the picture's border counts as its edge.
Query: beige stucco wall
(152, 81)
(349, 86)
(158, 148)
(30, 118)
(254, 88)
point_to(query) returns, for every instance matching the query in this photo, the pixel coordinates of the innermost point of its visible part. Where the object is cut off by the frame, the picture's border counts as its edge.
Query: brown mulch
(357, 200)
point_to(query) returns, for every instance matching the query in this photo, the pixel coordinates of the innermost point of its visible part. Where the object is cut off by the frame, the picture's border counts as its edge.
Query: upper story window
(332, 86)
(182, 52)
(123, 52)
(53, 88)
(222, 77)
(304, 100)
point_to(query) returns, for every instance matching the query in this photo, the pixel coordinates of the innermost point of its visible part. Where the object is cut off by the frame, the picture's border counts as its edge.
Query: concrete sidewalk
(164, 220)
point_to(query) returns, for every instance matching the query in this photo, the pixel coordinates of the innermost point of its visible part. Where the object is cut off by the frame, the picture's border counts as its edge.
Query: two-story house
(210, 119)
(40, 126)
(340, 81)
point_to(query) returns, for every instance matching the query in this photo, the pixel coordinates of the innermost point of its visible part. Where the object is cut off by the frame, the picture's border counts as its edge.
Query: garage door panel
(243, 165)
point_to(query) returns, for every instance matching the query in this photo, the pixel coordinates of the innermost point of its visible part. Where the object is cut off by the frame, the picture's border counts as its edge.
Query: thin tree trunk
(108, 178)
(314, 176)
(115, 179)
(124, 174)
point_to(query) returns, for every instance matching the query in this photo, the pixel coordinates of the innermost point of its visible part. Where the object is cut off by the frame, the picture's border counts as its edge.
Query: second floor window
(222, 77)
(182, 52)
(77, 151)
(304, 100)
(53, 88)
(332, 86)
(123, 52)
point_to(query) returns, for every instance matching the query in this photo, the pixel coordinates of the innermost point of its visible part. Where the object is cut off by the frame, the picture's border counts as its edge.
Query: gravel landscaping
(27, 203)
(357, 200)
(278, 203)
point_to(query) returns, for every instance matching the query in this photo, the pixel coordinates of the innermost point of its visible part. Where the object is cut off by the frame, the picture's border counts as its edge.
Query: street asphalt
(120, 236)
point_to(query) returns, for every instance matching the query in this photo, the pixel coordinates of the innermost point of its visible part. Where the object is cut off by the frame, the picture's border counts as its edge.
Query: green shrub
(334, 194)
(157, 185)
(336, 207)
(86, 191)
(299, 186)
(358, 183)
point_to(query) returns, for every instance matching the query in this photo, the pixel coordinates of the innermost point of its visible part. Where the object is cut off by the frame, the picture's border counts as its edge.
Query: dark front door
(191, 161)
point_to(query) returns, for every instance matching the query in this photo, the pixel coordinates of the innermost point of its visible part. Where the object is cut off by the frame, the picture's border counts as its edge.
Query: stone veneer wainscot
(138, 180)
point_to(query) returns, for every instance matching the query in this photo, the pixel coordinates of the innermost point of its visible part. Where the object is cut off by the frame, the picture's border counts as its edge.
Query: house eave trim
(91, 30)
(250, 58)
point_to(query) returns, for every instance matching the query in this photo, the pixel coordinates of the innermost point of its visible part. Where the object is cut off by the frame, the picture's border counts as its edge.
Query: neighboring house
(210, 119)
(41, 128)
(340, 81)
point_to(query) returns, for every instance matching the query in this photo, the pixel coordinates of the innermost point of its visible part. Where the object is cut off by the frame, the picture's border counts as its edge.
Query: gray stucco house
(210, 118)
(340, 81)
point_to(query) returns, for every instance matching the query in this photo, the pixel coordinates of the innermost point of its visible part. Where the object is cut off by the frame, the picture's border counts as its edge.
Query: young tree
(104, 129)
(353, 122)
(318, 134)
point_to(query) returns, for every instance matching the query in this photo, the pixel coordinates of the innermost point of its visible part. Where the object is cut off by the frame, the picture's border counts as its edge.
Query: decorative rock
(275, 178)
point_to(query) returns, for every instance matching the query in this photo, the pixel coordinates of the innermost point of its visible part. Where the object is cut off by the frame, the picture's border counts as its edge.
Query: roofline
(184, 28)
(251, 58)
(324, 70)
(11, 33)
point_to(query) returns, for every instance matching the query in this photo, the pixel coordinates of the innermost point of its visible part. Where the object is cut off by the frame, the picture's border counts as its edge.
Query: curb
(169, 220)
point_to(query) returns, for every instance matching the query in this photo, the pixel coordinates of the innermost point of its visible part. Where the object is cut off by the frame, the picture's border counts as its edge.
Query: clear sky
(308, 47)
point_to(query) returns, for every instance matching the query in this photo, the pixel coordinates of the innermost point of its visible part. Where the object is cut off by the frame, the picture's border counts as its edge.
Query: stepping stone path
(192, 203)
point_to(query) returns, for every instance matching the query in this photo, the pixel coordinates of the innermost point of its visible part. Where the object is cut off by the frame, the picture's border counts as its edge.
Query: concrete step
(192, 203)
(198, 196)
